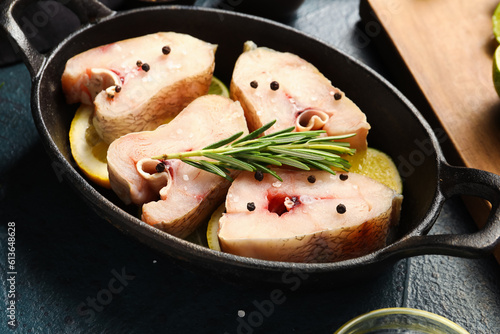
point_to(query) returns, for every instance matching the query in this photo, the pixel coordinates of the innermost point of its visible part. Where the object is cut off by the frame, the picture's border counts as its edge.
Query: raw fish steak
(175, 196)
(312, 216)
(139, 83)
(280, 85)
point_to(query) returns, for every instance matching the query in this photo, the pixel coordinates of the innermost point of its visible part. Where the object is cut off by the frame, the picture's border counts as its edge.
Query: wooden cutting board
(447, 47)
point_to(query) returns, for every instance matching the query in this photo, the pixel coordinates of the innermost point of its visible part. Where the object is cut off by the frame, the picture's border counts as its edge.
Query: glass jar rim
(401, 310)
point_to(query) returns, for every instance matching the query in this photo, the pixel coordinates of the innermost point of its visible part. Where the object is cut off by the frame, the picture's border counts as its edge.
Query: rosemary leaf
(223, 141)
(292, 162)
(311, 133)
(266, 170)
(277, 133)
(255, 133)
(234, 163)
(259, 158)
(346, 164)
(338, 165)
(213, 169)
(202, 167)
(250, 149)
(343, 144)
(327, 147)
(287, 139)
(325, 154)
(330, 138)
(296, 153)
(320, 166)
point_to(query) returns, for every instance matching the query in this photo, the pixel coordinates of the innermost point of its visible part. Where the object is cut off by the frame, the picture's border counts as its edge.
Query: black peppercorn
(118, 89)
(254, 84)
(166, 50)
(311, 178)
(341, 208)
(139, 63)
(145, 67)
(275, 85)
(259, 176)
(160, 167)
(337, 96)
(250, 206)
(343, 177)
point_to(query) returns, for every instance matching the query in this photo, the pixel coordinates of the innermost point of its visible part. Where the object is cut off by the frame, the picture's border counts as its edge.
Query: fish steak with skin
(312, 216)
(139, 83)
(280, 85)
(176, 197)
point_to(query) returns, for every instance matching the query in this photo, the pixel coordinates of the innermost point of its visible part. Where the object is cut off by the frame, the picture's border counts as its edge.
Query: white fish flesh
(180, 197)
(280, 85)
(139, 83)
(312, 216)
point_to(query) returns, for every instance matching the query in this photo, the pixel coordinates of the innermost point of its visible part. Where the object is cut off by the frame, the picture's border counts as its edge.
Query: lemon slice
(213, 228)
(217, 87)
(496, 22)
(378, 166)
(87, 148)
(496, 70)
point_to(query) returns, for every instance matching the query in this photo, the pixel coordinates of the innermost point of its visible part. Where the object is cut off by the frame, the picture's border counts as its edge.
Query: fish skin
(312, 231)
(302, 89)
(180, 198)
(147, 98)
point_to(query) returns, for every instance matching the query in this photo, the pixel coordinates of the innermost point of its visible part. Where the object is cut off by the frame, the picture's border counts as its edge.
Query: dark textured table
(75, 273)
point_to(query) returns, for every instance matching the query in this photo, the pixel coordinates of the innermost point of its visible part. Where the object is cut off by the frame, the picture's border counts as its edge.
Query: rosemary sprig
(302, 150)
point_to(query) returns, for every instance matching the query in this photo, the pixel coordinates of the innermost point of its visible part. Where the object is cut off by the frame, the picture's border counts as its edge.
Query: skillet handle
(459, 181)
(31, 57)
(88, 11)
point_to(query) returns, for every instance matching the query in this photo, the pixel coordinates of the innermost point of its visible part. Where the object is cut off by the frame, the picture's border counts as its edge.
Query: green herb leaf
(213, 169)
(223, 141)
(290, 161)
(260, 158)
(255, 133)
(235, 163)
(330, 138)
(264, 169)
(296, 153)
(320, 166)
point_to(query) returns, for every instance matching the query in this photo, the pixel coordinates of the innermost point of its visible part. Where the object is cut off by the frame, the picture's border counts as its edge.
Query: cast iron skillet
(397, 129)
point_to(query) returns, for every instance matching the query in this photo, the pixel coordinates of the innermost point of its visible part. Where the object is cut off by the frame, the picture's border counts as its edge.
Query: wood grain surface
(447, 47)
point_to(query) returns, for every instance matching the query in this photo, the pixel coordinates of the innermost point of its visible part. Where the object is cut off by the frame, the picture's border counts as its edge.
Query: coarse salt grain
(306, 199)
